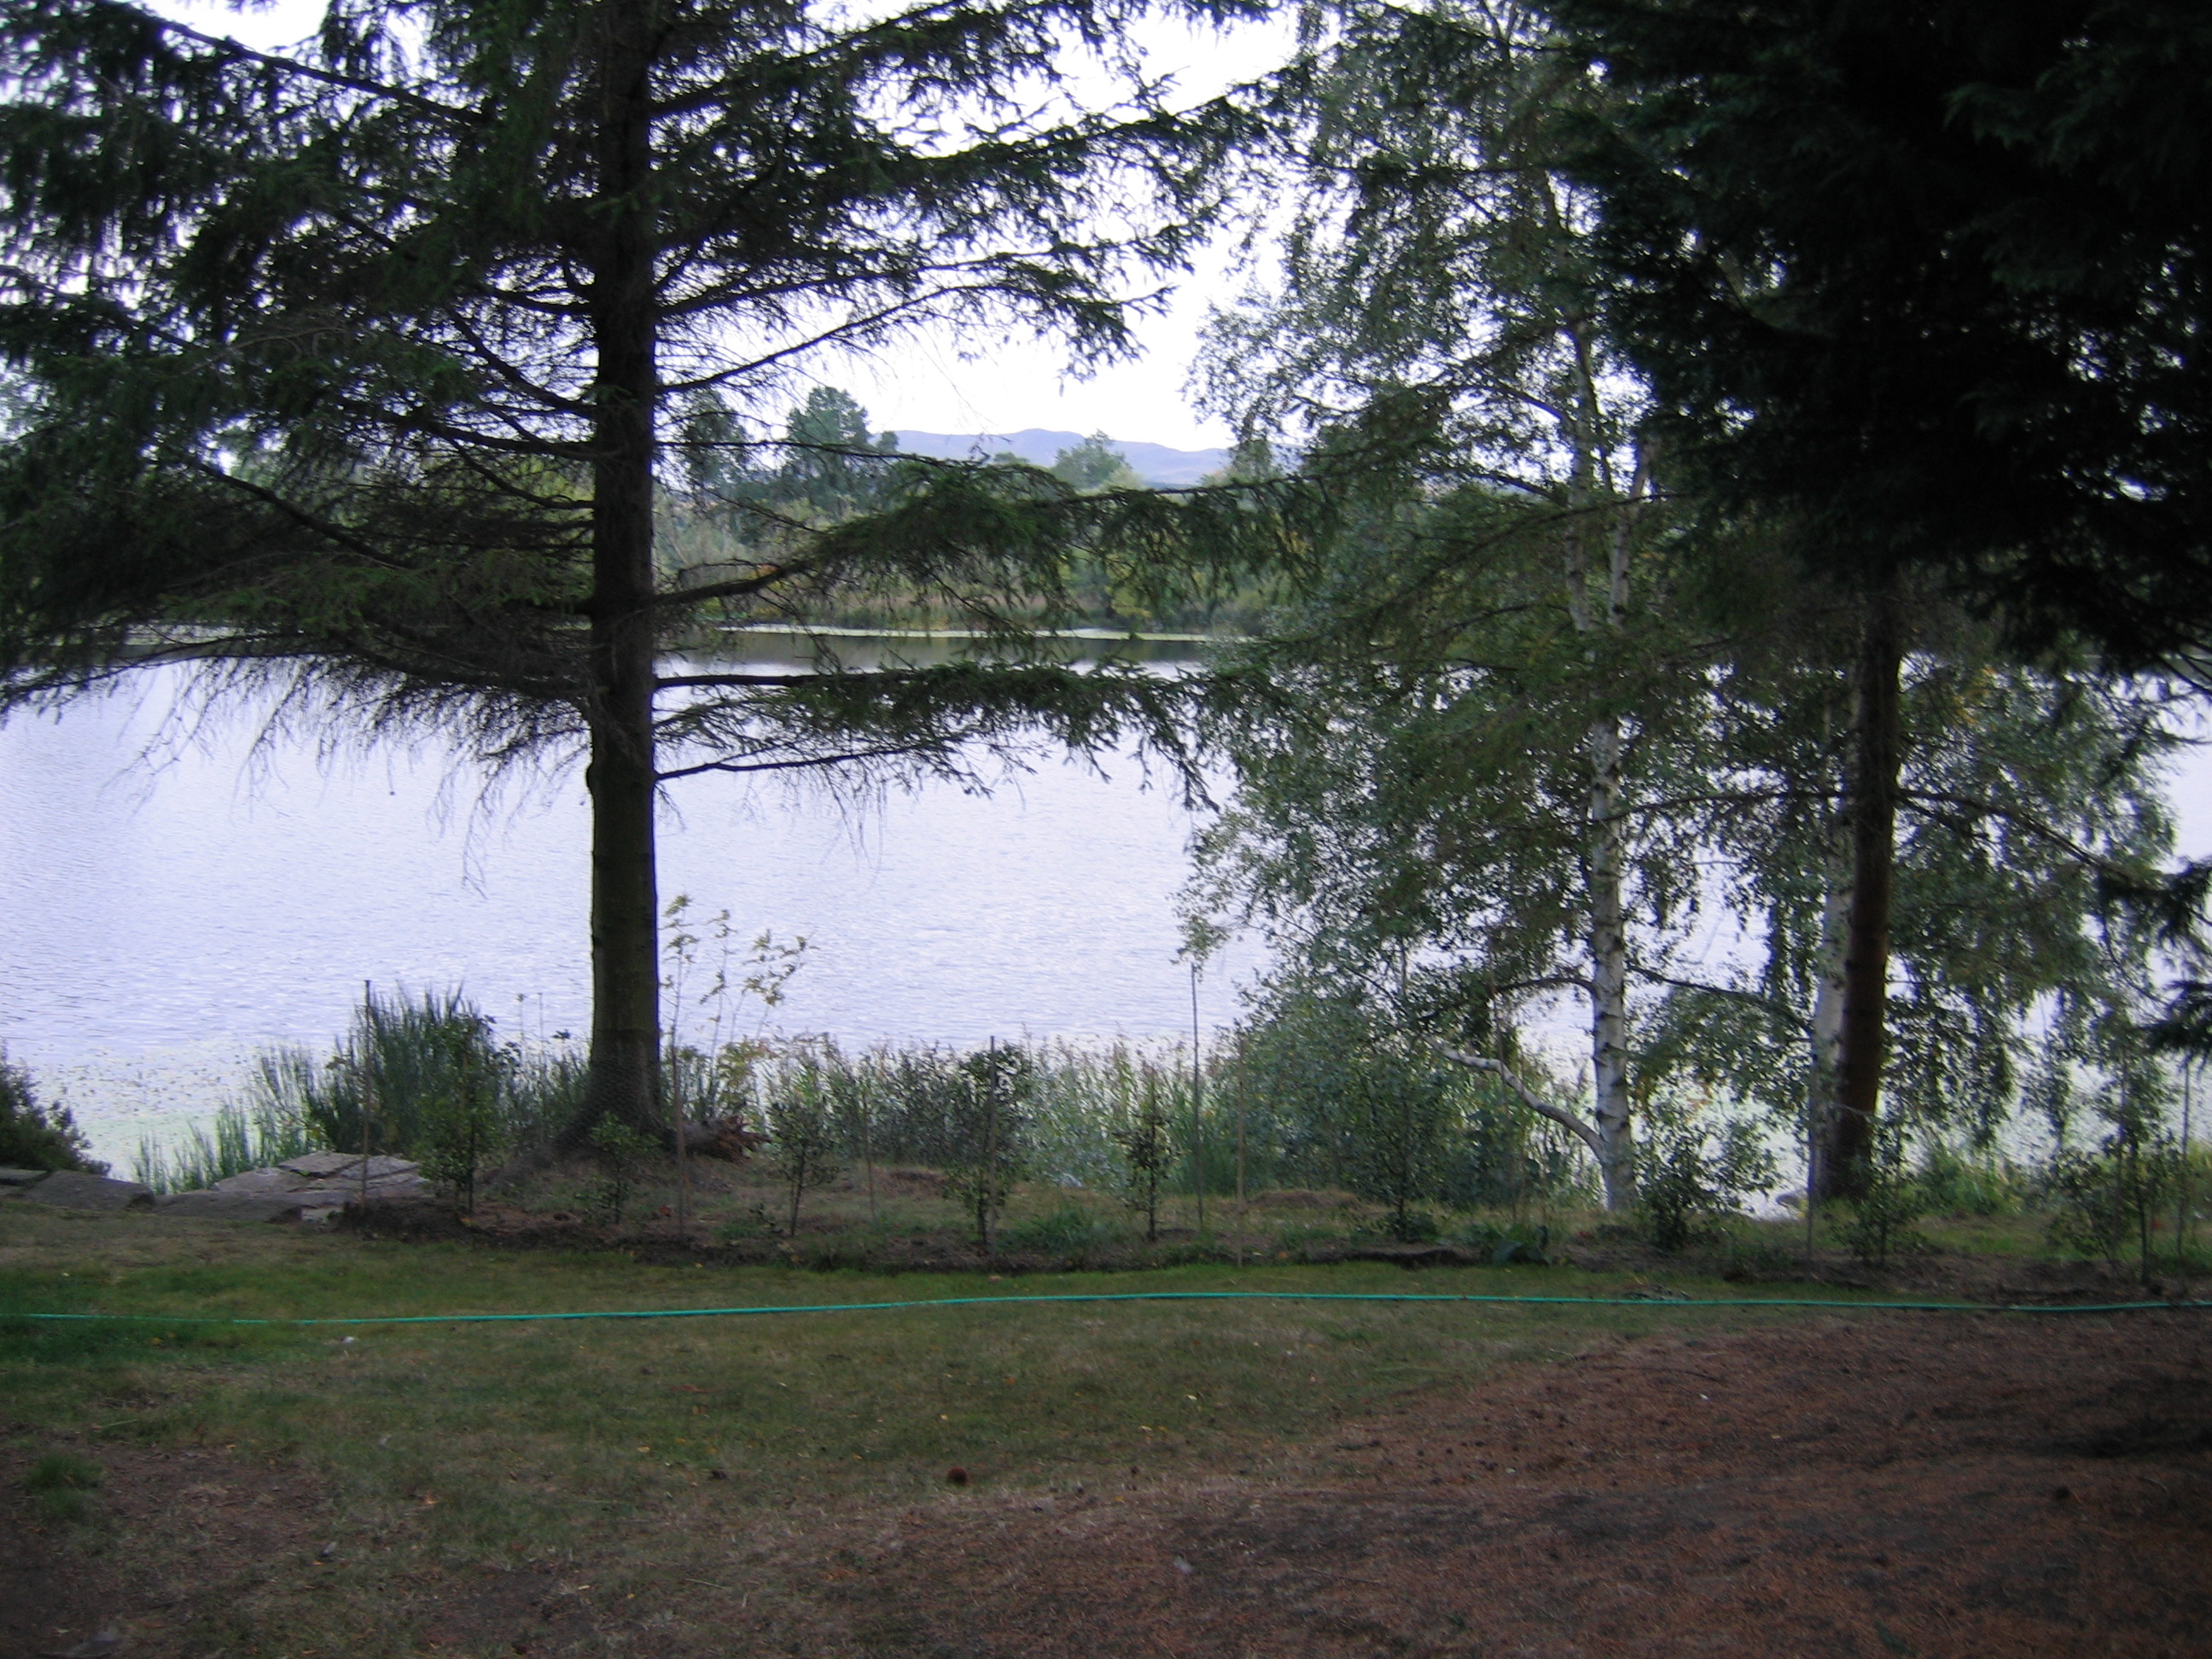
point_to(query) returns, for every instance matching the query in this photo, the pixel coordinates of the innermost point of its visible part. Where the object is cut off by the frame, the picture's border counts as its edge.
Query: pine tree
(366, 369)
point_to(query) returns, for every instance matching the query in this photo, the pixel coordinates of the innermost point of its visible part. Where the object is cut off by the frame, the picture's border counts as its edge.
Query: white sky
(938, 383)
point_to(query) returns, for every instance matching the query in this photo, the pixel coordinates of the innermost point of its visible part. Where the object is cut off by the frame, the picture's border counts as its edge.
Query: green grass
(60, 1484)
(634, 1445)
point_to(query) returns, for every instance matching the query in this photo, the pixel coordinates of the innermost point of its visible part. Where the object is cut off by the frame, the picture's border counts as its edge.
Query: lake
(170, 900)
(173, 899)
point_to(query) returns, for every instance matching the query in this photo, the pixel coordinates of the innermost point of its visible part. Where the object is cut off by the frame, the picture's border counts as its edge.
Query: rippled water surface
(160, 917)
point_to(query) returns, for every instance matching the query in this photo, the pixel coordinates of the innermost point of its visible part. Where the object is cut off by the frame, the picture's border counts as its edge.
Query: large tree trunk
(625, 1079)
(1877, 759)
(1827, 1035)
(1605, 848)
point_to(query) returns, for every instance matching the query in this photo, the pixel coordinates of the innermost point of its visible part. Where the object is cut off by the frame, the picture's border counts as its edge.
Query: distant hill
(1156, 464)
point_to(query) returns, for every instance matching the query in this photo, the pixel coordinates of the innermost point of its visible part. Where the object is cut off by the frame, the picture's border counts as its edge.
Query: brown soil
(1961, 1487)
(1974, 1487)
(173, 1542)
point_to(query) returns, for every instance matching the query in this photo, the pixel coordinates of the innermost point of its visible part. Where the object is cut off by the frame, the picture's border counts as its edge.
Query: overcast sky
(941, 383)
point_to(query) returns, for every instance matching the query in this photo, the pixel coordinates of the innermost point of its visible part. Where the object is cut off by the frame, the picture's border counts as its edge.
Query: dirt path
(1955, 1487)
(1973, 1486)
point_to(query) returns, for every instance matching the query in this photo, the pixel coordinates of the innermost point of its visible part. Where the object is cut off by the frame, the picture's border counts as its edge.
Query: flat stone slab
(208, 1202)
(324, 1166)
(21, 1177)
(349, 1192)
(261, 1182)
(73, 1190)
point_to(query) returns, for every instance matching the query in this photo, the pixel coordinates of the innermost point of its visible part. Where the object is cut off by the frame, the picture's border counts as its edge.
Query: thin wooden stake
(1197, 1107)
(990, 1143)
(368, 1106)
(1242, 1204)
(2181, 1211)
(868, 1144)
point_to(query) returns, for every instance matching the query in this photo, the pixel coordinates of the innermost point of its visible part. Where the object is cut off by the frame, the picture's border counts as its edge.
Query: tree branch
(1535, 1103)
(885, 753)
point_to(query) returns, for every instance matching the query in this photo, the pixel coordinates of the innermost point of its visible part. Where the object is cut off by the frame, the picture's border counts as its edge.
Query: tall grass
(422, 1077)
(239, 1139)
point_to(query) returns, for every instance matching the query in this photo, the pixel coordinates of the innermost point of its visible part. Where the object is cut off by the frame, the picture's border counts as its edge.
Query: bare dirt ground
(1951, 1486)
(1954, 1485)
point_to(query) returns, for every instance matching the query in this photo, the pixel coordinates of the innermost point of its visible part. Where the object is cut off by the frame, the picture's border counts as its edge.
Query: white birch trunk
(1827, 1033)
(1605, 837)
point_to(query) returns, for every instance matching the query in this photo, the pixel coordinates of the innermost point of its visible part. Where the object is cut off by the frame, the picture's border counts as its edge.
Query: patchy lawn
(1188, 1479)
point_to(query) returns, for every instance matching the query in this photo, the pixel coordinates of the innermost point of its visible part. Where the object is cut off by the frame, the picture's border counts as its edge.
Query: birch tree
(1437, 322)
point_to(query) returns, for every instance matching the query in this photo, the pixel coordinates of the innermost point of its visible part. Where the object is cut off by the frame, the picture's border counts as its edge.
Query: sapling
(803, 1139)
(1146, 1151)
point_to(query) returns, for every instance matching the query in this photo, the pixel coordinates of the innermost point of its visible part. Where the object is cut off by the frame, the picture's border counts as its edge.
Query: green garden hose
(1157, 1296)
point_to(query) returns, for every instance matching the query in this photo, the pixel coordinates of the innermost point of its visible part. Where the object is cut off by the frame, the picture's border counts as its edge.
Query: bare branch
(1582, 1131)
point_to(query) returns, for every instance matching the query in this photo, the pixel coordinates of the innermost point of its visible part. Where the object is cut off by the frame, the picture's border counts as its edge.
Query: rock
(214, 1204)
(261, 1182)
(340, 1193)
(285, 1195)
(725, 1138)
(320, 1164)
(326, 1168)
(73, 1190)
(21, 1177)
(97, 1646)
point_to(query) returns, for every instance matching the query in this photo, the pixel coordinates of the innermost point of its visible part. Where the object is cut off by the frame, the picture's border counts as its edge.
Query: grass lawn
(626, 1459)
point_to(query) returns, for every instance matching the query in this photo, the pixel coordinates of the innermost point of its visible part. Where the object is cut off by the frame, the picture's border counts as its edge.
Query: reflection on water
(157, 921)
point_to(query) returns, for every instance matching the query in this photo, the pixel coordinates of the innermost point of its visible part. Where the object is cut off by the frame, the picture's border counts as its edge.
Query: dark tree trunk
(1877, 759)
(624, 1080)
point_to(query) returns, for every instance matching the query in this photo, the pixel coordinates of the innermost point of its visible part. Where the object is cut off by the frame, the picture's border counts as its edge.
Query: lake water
(167, 905)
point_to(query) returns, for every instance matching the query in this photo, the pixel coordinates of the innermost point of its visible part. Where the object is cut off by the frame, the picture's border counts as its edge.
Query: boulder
(725, 1138)
(340, 1193)
(21, 1177)
(320, 1165)
(74, 1190)
(287, 1193)
(326, 1168)
(213, 1203)
(261, 1183)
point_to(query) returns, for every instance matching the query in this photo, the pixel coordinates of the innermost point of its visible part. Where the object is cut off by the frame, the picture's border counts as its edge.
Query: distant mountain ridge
(1156, 464)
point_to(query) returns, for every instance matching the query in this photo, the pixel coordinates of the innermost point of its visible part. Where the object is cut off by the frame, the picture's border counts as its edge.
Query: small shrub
(1957, 1185)
(1890, 1200)
(990, 1118)
(2118, 1194)
(1692, 1181)
(1069, 1230)
(803, 1139)
(1507, 1247)
(1402, 1226)
(1145, 1152)
(755, 1223)
(623, 1153)
(34, 1136)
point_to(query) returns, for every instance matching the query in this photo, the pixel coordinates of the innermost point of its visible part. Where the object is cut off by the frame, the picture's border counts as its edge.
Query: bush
(1508, 1246)
(1070, 1230)
(802, 1134)
(2116, 1195)
(1691, 1180)
(1953, 1184)
(37, 1137)
(1890, 1200)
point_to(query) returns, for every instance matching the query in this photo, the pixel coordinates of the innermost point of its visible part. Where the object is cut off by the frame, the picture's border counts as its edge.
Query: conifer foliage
(366, 369)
